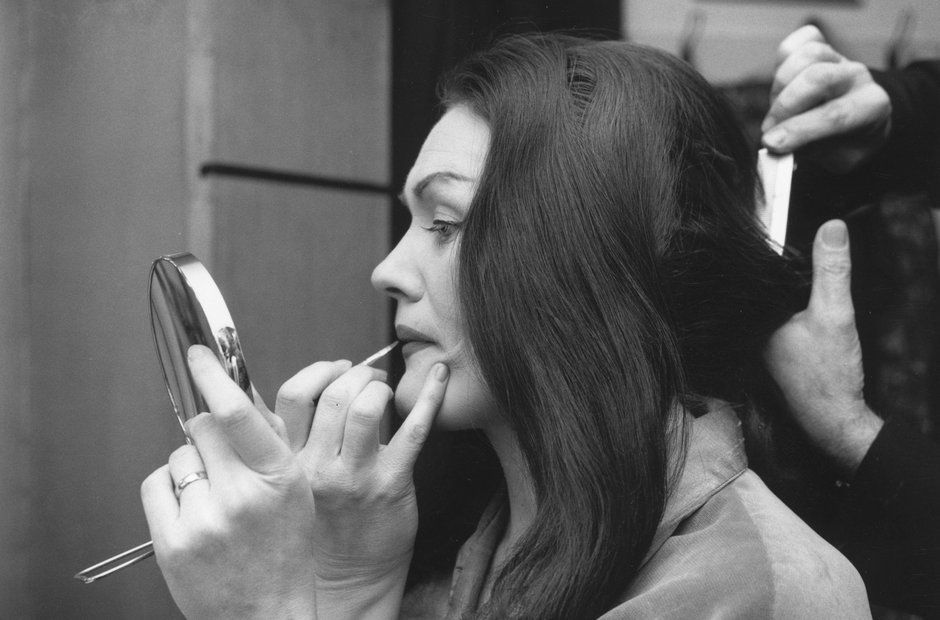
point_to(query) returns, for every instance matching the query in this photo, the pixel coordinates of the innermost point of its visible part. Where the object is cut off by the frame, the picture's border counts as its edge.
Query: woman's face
(420, 272)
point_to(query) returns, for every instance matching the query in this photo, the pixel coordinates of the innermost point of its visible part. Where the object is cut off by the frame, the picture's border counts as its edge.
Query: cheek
(467, 402)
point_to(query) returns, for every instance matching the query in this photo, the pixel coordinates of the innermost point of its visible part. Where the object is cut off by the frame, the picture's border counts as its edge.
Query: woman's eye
(444, 229)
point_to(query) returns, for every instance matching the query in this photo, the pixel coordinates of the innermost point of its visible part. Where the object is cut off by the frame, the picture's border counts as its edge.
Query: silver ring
(188, 479)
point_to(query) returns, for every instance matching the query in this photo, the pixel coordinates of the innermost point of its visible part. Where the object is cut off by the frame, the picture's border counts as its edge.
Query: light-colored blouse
(725, 548)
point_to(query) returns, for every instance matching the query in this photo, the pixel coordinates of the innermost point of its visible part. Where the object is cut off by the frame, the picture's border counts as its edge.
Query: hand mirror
(186, 308)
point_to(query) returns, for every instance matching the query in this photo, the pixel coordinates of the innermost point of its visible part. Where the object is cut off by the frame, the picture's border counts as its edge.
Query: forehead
(456, 145)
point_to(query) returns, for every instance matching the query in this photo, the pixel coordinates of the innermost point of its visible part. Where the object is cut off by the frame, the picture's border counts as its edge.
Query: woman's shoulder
(744, 554)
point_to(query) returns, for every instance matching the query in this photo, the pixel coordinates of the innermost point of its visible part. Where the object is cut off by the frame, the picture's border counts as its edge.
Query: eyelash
(444, 229)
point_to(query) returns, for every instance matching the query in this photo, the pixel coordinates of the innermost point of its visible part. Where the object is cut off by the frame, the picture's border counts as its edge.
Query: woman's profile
(585, 286)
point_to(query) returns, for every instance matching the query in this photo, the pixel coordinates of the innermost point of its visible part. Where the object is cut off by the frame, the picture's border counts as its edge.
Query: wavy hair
(610, 267)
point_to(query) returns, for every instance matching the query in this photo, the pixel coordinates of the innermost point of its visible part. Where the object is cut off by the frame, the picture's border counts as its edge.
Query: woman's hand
(239, 543)
(366, 512)
(825, 104)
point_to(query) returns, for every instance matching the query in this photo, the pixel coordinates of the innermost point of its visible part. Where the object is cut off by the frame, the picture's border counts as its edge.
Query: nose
(397, 275)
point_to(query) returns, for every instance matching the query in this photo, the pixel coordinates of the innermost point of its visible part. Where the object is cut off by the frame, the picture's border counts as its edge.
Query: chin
(466, 404)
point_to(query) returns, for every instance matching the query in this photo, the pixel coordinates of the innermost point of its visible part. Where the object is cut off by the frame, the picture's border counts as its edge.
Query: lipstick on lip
(407, 335)
(412, 340)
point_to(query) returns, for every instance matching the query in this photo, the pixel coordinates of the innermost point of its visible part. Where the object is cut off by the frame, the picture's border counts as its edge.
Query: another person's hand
(238, 542)
(816, 358)
(366, 510)
(824, 105)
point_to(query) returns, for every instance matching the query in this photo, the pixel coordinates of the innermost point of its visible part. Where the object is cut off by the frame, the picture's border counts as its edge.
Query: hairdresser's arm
(366, 510)
(816, 358)
(824, 105)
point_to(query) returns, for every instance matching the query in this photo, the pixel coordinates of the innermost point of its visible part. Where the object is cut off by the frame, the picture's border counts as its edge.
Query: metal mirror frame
(187, 308)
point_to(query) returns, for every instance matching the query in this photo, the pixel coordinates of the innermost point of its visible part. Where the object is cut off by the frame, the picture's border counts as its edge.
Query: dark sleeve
(889, 521)
(911, 159)
(908, 164)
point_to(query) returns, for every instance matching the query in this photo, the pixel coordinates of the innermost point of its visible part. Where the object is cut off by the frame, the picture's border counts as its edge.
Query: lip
(411, 339)
(408, 335)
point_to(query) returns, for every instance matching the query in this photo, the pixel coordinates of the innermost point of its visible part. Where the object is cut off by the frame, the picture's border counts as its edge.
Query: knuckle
(290, 395)
(854, 68)
(837, 114)
(150, 483)
(198, 424)
(180, 453)
(331, 489)
(334, 396)
(787, 103)
(836, 267)
(418, 434)
(233, 413)
(821, 74)
(818, 51)
(384, 389)
(363, 413)
(839, 321)
(278, 424)
(330, 402)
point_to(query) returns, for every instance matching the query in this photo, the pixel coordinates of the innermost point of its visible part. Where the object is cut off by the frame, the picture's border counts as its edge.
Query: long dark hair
(610, 269)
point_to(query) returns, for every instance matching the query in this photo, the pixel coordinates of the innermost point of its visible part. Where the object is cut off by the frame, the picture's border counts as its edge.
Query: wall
(106, 111)
(296, 261)
(739, 37)
(15, 422)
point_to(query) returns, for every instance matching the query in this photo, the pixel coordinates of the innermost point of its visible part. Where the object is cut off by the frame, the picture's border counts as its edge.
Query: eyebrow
(443, 175)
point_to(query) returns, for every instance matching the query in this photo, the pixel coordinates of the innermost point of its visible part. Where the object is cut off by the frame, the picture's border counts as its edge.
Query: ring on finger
(188, 479)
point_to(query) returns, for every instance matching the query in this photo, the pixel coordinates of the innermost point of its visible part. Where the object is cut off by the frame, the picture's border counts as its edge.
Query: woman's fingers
(329, 420)
(189, 474)
(160, 505)
(404, 447)
(214, 447)
(296, 400)
(272, 419)
(246, 429)
(363, 424)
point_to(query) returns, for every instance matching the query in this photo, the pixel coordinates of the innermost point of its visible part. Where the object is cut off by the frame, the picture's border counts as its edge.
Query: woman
(582, 279)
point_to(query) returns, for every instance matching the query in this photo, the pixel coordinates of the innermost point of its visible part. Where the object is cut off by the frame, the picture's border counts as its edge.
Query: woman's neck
(519, 489)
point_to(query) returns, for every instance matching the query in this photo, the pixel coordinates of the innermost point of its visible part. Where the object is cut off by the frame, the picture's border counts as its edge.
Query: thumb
(246, 428)
(831, 294)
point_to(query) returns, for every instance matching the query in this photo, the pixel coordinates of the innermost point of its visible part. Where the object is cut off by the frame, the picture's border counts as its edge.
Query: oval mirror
(186, 308)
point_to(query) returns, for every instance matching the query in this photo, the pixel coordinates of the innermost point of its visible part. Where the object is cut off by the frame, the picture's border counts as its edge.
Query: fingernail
(834, 235)
(440, 372)
(767, 124)
(776, 138)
